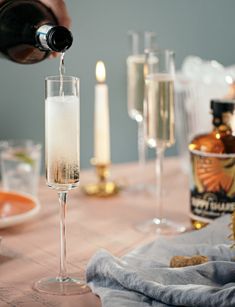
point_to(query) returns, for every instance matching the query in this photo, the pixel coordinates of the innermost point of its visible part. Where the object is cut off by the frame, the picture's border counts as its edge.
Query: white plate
(17, 208)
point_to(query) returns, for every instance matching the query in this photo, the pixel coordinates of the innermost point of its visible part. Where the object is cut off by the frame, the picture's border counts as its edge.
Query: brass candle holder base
(104, 187)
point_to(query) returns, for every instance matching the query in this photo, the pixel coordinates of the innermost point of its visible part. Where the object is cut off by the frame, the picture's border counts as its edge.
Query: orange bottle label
(212, 185)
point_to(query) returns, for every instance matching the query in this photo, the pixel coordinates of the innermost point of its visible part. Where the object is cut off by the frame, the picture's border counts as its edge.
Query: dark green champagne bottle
(29, 31)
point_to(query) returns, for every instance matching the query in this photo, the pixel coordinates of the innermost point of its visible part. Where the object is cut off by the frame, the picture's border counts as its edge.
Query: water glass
(20, 166)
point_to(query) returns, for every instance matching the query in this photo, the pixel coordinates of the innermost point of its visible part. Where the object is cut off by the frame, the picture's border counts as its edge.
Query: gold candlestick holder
(104, 187)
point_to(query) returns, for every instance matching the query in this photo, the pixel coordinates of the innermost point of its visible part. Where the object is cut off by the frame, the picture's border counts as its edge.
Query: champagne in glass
(62, 149)
(62, 167)
(159, 117)
(160, 110)
(135, 75)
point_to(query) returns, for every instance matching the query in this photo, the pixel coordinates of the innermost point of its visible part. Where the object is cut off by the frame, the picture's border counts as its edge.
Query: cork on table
(31, 251)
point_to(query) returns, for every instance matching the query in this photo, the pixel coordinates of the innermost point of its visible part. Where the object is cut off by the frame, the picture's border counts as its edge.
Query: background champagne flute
(136, 89)
(159, 118)
(62, 167)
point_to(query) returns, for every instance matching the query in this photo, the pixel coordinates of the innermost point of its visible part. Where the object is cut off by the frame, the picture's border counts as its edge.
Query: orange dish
(16, 208)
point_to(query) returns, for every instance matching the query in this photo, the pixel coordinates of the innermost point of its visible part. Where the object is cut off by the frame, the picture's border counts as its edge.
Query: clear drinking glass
(62, 147)
(159, 118)
(20, 165)
(136, 89)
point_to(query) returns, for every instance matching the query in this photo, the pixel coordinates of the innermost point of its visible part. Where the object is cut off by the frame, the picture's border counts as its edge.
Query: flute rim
(158, 50)
(57, 78)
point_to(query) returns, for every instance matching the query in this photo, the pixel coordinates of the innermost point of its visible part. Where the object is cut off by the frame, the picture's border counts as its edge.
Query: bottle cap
(222, 106)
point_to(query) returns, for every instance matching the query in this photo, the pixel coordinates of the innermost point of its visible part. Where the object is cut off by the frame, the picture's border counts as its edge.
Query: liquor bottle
(213, 167)
(29, 31)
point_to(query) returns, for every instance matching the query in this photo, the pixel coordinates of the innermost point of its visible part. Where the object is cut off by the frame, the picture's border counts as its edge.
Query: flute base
(59, 286)
(101, 189)
(161, 227)
(140, 188)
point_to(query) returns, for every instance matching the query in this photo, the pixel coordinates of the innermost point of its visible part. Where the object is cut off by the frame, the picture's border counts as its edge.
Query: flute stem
(141, 145)
(63, 203)
(159, 180)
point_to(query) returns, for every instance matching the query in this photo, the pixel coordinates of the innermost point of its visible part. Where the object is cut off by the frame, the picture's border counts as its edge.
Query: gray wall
(200, 27)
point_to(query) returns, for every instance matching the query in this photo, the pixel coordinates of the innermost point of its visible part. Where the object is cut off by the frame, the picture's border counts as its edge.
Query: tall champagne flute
(159, 117)
(62, 155)
(136, 90)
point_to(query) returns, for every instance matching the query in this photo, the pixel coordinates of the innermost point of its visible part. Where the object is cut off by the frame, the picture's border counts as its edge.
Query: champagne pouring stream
(62, 72)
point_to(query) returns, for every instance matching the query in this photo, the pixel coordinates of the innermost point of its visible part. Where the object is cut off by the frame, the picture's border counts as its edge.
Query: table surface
(30, 251)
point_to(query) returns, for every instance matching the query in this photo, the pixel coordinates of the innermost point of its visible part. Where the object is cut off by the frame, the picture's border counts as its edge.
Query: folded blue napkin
(143, 277)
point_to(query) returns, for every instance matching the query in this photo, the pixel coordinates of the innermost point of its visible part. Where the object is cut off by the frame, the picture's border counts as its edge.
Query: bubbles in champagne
(63, 173)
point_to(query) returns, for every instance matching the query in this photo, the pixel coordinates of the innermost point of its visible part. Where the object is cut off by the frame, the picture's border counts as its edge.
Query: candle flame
(100, 71)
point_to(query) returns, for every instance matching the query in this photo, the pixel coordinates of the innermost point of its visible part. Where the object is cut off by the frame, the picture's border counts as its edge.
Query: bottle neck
(53, 38)
(224, 122)
(41, 36)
